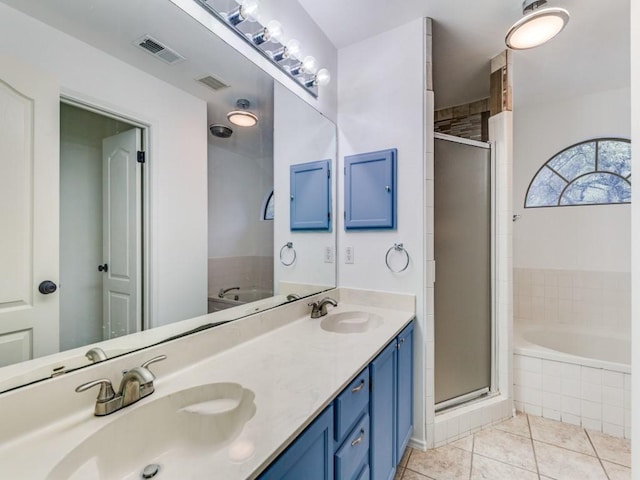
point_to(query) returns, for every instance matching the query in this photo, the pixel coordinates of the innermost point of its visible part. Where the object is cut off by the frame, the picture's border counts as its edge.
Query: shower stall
(464, 293)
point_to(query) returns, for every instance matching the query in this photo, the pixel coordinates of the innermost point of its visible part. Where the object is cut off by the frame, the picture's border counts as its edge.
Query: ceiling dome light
(242, 117)
(537, 27)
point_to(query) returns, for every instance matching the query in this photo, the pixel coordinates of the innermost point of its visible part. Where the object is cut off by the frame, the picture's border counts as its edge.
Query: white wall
(297, 24)
(237, 186)
(635, 224)
(595, 238)
(301, 135)
(177, 152)
(381, 99)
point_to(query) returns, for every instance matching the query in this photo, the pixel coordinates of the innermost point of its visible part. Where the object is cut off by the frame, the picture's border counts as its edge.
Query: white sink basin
(172, 431)
(351, 322)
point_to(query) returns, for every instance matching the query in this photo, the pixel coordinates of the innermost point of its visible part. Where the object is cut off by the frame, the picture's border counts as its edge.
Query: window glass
(597, 188)
(545, 189)
(575, 161)
(614, 156)
(589, 173)
(269, 208)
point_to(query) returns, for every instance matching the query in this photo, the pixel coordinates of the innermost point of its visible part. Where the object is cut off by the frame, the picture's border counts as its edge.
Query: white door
(121, 179)
(29, 212)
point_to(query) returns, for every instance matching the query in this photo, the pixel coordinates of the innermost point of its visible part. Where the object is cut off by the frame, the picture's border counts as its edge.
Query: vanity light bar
(244, 19)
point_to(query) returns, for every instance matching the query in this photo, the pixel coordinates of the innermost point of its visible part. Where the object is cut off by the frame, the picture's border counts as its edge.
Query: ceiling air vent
(159, 50)
(213, 82)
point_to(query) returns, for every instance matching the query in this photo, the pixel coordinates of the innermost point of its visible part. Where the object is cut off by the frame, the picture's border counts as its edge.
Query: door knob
(47, 287)
(103, 268)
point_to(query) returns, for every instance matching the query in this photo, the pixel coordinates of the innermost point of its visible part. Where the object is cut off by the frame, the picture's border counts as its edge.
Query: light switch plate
(349, 255)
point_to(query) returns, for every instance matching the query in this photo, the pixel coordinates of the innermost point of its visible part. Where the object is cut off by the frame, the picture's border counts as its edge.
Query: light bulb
(323, 77)
(250, 10)
(309, 65)
(273, 32)
(292, 49)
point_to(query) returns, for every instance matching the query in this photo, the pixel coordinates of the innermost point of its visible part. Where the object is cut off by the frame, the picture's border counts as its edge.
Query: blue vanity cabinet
(370, 190)
(405, 390)
(383, 459)
(363, 433)
(310, 194)
(391, 406)
(310, 456)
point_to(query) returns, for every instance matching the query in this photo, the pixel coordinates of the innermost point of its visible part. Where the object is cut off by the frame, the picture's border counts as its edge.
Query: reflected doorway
(101, 226)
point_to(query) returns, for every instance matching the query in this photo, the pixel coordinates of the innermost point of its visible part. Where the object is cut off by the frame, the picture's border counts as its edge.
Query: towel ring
(288, 245)
(399, 247)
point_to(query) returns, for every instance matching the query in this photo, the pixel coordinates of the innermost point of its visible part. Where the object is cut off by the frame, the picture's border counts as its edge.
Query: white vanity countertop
(294, 371)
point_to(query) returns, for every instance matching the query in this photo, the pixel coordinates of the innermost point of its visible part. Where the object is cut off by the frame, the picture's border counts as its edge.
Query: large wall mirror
(132, 209)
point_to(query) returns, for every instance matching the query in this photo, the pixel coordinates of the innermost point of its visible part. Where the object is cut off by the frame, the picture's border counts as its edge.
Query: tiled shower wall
(244, 272)
(595, 299)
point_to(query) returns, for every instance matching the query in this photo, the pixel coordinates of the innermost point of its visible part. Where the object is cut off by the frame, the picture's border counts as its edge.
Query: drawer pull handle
(359, 439)
(358, 388)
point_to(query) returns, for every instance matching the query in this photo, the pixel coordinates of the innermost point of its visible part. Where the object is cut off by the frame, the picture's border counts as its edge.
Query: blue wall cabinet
(370, 190)
(391, 405)
(310, 194)
(310, 456)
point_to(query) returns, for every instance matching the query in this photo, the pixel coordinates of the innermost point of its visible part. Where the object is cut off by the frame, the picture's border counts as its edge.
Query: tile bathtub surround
(596, 299)
(523, 448)
(593, 398)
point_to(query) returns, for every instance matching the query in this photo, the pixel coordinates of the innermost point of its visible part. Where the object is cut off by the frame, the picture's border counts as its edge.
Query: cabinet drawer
(350, 404)
(354, 452)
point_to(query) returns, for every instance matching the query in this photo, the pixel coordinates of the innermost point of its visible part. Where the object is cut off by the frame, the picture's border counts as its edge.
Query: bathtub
(579, 376)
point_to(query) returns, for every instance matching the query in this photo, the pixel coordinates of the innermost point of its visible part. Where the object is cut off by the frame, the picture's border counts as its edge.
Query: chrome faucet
(293, 296)
(319, 308)
(224, 291)
(96, 354)
(136, 384)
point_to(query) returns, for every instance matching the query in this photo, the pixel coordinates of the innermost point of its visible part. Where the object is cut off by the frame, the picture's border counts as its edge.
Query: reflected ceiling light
(538, 26)
(242, 117)
(248, 10)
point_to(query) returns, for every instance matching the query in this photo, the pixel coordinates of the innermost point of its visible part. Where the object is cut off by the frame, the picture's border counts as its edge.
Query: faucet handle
(159, 358)
(106, 392)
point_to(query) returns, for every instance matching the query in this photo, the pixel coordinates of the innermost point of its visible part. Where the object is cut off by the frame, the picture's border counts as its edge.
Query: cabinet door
(405, 389)
(383, 459)
(310, 196)
(370, 190)
(310, 456)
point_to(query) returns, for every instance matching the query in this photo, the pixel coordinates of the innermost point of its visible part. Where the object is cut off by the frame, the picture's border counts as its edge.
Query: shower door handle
(103, 268)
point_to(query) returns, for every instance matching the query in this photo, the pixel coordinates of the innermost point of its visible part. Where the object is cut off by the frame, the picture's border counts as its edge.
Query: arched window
(268, 207)
(595, 172)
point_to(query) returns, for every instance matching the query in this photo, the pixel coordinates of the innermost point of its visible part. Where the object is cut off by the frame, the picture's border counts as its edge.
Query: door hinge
(141, 157)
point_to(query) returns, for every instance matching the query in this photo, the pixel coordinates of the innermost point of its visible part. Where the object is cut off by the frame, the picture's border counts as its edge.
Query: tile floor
(522, 448)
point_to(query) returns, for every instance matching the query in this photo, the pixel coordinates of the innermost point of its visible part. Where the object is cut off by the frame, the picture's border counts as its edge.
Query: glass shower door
(463, 286)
